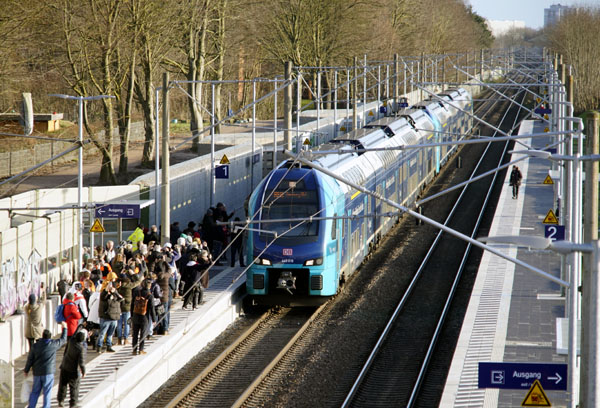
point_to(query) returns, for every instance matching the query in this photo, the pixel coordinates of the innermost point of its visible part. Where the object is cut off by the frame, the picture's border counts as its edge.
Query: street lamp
(80, 100)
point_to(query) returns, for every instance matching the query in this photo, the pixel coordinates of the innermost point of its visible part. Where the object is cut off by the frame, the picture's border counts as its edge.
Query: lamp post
(80, 100)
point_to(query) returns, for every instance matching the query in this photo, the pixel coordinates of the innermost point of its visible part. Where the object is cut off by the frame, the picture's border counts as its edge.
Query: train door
(399, 197)
(339, 223)
(364, 230)
(378, 208)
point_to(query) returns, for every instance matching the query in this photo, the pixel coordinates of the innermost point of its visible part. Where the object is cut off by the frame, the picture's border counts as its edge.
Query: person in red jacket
(71, 313)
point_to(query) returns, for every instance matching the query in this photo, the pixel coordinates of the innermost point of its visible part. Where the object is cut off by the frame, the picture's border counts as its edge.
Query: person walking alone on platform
(42, 358)
(515, 181)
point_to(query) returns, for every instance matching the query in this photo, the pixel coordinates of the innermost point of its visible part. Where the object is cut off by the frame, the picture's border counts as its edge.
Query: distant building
(554, 13)
(501, 27)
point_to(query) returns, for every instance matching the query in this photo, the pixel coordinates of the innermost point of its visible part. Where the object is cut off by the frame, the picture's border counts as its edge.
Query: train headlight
(263, 261)
(312, 262)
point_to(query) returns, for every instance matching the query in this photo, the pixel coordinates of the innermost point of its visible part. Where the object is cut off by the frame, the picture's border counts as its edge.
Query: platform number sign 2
(554, 232)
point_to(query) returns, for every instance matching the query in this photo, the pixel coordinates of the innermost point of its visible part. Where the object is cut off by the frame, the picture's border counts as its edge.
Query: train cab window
(291, 204)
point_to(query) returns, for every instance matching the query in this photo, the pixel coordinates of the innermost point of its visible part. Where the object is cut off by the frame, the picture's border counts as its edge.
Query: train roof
(391, 125)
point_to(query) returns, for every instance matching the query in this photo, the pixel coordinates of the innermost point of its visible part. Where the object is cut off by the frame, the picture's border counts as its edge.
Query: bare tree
(575, 37)
(157, 36)
(192, 59)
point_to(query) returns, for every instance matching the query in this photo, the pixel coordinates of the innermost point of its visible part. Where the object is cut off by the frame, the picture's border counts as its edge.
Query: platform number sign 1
(222, 171)
(554, 232)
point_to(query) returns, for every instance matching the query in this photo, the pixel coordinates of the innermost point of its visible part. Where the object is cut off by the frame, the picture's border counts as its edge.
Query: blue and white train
(304, 263)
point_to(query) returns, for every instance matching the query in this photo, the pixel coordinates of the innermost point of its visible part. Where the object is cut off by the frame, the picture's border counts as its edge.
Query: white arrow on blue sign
(520, 376)
(117, 211)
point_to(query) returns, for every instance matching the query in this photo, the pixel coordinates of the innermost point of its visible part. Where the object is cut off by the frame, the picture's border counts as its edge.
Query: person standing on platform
(237, 242)
(109, 311)
(515, 181)
(33, 312)
(128, 283)
(42, 359)
(73, 362)
(71, 313)
(141, 311)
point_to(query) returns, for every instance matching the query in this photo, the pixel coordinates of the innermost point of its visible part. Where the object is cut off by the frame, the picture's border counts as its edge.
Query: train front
(295, 260)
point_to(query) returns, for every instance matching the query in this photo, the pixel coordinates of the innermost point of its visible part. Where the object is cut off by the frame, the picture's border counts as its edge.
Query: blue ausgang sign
(520, 376)
(117, 211)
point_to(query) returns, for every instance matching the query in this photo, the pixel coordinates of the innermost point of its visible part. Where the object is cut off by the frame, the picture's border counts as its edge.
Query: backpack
(139, 305)
(59, 313)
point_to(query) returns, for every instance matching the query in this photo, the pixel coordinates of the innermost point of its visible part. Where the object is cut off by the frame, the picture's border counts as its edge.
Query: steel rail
(383, 336)
(268, 369)
(220, 358)
(442, 319)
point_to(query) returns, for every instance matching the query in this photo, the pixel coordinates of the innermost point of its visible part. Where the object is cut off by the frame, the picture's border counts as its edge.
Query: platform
(512, 314)
(121, 379)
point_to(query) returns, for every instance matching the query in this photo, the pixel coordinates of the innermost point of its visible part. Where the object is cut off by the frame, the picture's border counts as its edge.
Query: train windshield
(291, 202)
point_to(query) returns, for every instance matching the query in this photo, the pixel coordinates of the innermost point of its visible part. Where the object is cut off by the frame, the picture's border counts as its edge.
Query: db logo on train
(288, 252)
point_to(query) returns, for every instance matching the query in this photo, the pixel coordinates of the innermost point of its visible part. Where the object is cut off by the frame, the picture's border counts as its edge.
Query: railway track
(263, 362)
(393, 378)
(233, 375)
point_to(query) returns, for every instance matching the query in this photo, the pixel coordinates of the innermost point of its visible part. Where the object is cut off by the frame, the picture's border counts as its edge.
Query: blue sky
(530, 11)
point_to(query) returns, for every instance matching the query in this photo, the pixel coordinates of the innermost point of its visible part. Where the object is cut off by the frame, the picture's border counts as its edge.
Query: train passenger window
(334, 228)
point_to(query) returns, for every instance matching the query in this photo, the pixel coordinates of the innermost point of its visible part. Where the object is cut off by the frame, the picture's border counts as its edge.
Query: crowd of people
(126, 292)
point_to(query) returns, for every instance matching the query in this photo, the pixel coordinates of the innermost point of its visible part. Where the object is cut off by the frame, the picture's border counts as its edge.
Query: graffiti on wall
(18, 282)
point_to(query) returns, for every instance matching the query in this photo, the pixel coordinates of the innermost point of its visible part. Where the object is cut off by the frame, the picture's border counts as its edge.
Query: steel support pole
(590, 348)
(348, 97)
(80, 187)
(444, 74)
(481, 66)
(571, 264)
(335, 103)
(318, 108)
(275, 126)
(253, 133)
(354, 94)
(287, 107)
(589, 375)
(378, 89)
(165, 187)
(156, 160)
(396, 84)
(405, 82)
(364, 102)
(213, 180)
(298, 111)
(387, 82)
